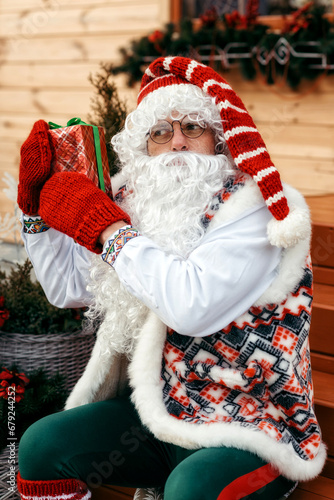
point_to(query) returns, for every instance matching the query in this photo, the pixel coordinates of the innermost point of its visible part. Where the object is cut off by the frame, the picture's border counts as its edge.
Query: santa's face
(182, 134)
(170, 193)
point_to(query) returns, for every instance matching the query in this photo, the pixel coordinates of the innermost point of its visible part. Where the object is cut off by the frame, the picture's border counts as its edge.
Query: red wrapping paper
(74, 151)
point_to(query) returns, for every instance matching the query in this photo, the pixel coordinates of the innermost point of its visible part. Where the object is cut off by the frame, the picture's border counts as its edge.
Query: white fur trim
(144, 372)
(295, 227)
(238, 130)
(245, 156)
(212, 82)
(244, 199)
(264, 173)
(153, 82)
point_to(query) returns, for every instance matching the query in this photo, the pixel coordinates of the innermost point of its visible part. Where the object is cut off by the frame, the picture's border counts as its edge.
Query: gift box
(80, 147)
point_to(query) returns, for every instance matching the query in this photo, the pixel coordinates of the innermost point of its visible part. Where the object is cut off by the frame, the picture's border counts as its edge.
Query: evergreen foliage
(108, 111)
(29, 310)
(214, 34)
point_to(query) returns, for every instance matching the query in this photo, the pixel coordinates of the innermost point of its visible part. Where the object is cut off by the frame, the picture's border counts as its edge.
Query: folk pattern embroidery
(34, 224)
(256, 372)
(114, 245)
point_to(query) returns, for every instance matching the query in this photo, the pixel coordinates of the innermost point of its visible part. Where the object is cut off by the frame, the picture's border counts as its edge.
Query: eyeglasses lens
(163, 131)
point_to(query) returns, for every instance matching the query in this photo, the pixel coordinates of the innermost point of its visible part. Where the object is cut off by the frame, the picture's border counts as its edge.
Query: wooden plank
(89, 47)
(322, 362)
(17, 6)
(311, 176)
(299, 494)
(321, 331)
(324, 389)
(323, 275)
(323, 245)
(324, 296)
(23, 75)
(279, 112)
(325, 418)
(328, 470)
(44, 102)
(53, 20)
(295, 141)
(106, 492)
(320, 486)
(322, 209)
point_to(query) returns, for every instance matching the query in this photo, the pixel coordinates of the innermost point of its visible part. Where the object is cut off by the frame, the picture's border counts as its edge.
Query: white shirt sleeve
(220, 280)
(61, 266)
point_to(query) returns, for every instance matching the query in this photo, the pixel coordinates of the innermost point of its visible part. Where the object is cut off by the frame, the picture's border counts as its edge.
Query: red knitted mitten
(58, 489)
(72, 204)
(34, 167)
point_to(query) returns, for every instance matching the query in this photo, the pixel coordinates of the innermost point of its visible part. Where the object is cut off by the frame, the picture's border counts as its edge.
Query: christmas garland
(303, 49)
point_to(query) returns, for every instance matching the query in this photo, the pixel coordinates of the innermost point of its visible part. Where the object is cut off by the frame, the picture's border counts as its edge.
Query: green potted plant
(34, 334)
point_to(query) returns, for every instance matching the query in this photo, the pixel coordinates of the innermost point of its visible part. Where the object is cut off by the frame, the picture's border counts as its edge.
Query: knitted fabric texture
(243, 139)
(71, 489)
(73, 205)
(34, 167)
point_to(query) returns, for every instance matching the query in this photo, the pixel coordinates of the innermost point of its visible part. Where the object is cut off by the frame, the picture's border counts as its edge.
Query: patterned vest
(248, 385)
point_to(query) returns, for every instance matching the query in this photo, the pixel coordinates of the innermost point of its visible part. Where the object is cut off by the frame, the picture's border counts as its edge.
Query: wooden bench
(322, 353)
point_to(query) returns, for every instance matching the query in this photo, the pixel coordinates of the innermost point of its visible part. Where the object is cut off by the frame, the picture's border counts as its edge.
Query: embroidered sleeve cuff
(116, 242)
(33, 224)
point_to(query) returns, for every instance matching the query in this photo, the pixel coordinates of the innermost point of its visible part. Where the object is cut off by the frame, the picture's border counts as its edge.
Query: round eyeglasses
(163, 131)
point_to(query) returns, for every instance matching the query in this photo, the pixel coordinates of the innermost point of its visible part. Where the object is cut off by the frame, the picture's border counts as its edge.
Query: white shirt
(220, 280)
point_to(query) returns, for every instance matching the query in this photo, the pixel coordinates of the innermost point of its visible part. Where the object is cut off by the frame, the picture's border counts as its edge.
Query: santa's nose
(179, 140)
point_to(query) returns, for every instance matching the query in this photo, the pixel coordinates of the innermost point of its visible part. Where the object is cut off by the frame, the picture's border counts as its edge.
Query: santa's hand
(73, 205)
(35, 167)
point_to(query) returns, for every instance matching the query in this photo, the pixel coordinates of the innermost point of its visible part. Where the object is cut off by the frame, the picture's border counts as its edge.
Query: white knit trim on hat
(274, 199)
(249, 154)
(149, 73)
(167, 62)
(227, 104)
(191, 68)
(211, 82)
(264, 173)
(238, 130)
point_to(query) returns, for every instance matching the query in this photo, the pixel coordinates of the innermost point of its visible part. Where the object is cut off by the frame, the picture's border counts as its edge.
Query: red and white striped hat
(243, 139)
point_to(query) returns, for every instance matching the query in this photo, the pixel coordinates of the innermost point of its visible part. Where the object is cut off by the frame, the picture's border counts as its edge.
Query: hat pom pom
(295, 227)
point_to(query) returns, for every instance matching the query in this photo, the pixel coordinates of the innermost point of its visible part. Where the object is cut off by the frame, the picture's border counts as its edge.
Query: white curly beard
(168, 197)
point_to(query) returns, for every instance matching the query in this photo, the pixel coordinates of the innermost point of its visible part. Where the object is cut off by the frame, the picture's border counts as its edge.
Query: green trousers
(105, 443)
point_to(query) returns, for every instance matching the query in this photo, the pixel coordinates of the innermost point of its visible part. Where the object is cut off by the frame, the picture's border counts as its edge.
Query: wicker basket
(66, 353)
(7, 491)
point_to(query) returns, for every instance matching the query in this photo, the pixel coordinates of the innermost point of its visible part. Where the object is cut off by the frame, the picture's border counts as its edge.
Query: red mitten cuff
(73, 205)
(34, 167)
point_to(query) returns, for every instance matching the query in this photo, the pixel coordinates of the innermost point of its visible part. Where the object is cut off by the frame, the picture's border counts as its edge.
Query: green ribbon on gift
(78, 121)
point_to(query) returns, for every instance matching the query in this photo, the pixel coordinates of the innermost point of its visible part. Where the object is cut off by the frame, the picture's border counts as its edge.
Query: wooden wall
(297, 127)
(48, 48)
